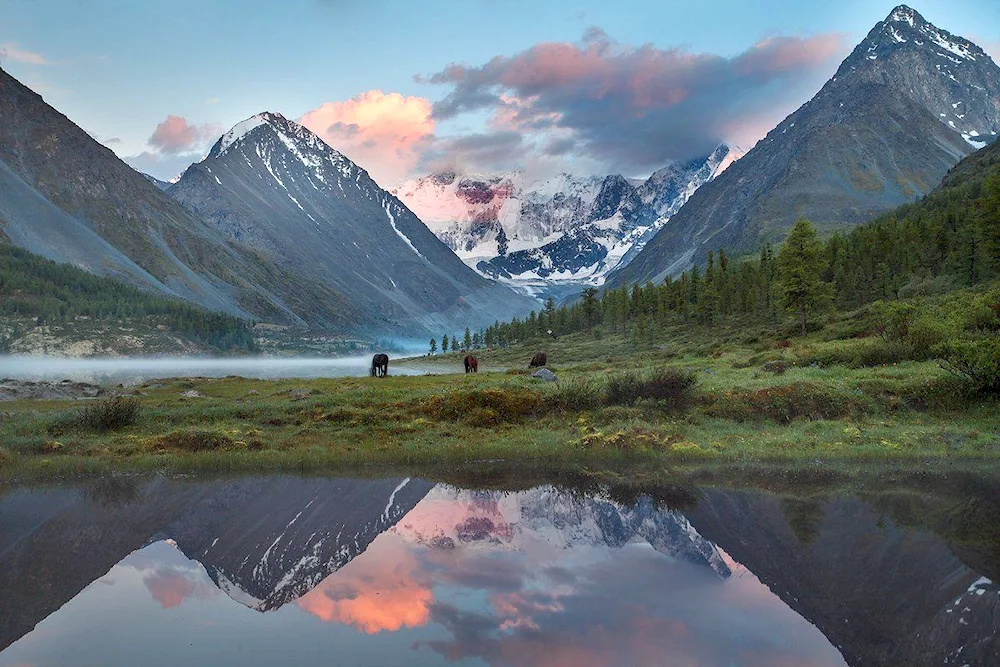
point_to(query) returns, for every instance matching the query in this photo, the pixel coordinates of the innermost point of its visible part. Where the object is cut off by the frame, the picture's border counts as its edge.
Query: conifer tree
(800, 266)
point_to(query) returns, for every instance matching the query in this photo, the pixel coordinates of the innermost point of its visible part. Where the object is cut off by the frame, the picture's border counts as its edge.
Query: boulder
(545, 375)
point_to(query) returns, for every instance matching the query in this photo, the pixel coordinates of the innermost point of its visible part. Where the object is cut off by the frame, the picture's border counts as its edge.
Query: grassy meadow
(725, 395)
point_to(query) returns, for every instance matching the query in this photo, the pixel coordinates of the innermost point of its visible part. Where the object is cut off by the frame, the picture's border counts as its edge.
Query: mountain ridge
(557, 235)
(273, 185)
(881, 132)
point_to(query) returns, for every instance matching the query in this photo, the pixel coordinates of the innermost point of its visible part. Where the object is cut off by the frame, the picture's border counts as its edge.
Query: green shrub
(976, 361)
(893, 320)
(110, 414)
(983, 313)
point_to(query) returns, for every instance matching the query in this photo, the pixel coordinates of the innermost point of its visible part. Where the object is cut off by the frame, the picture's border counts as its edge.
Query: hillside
(68, 198)
(271, 185)
(47, 307)
(908, 104)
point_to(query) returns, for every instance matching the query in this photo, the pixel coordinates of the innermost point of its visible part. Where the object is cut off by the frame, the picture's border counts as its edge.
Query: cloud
(171, 587)
(11, 51)
(175, 135)
(173, 146)
(381, 592)
(166, 167)
(386, 133)
(636, 108)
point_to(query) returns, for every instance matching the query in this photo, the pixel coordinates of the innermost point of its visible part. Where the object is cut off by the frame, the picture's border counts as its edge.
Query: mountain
(264, 541)
(161, 185)
(267, 543)
(454, 519)
(882, 593)
(68, 198)
(908, 104)
(553, 236)
(272, 185)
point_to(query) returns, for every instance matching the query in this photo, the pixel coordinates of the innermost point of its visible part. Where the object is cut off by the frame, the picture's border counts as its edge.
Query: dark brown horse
(380, 365)
(471, 364)
(539, 360)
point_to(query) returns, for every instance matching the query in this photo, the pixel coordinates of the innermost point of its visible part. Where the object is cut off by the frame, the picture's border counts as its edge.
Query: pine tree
(467, 340)
(800, 267)
(444, 344)
(434, 346)
(588, 301)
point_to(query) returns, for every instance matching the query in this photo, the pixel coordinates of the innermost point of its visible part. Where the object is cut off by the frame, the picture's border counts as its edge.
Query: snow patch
(240, 130)
(406, 239)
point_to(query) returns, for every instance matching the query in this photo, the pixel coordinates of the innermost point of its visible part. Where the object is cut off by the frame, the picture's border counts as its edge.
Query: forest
(38, 289)
(894, 268)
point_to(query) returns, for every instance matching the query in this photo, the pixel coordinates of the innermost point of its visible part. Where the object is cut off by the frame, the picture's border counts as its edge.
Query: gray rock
(18, 390)
(545, 375)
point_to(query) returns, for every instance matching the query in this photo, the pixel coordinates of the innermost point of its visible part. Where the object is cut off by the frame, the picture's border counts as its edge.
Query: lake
(136, 370)
(409, 571)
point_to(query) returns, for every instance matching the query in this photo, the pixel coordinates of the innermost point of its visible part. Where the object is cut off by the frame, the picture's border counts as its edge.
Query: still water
(403, 571)
(136, 370)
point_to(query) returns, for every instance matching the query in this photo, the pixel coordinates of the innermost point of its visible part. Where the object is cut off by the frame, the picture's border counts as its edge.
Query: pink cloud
(386, 133)
(779, 55)
(175, 135)
(172, 587)
(637, 107)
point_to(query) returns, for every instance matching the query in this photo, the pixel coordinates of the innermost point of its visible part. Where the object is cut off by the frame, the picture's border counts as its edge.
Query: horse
(471, 364)
(380, 365)
(539, 360)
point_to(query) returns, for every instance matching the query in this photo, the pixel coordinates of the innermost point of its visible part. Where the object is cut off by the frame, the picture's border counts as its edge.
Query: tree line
(949, 240)
(47, 292)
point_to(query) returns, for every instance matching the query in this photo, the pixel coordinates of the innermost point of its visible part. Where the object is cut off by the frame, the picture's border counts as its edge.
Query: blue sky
(123, 68)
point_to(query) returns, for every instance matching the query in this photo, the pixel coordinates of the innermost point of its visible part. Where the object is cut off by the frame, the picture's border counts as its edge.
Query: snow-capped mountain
(565, 231)
(908, 103)
(450, 518)
(273, 185)
(267, 546)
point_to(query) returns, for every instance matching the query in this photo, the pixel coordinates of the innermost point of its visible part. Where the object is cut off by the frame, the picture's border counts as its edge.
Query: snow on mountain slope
(450, 518)
(266, 545)
(559, 234)
(273, 185)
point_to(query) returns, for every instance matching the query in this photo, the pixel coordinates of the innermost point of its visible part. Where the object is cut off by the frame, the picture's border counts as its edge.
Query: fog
(136, 370)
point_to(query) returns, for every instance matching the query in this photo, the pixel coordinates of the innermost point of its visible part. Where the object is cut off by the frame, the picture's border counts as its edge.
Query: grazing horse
(539, 360)
(471, 364)
(380, 365)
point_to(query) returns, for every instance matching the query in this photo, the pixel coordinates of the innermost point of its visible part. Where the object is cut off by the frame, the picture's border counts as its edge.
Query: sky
(406, 87)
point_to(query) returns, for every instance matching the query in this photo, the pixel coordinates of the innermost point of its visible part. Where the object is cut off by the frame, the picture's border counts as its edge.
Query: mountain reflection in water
(403, 571)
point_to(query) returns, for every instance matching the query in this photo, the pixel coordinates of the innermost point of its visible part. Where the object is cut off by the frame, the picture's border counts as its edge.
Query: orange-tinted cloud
(172, 587)
(385, 133)
(375, 593)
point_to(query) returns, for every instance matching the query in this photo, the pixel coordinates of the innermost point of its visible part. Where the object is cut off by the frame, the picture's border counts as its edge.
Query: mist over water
(136, 370)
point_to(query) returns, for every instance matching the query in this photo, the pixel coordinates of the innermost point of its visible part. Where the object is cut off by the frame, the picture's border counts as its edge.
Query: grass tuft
(110, 414)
